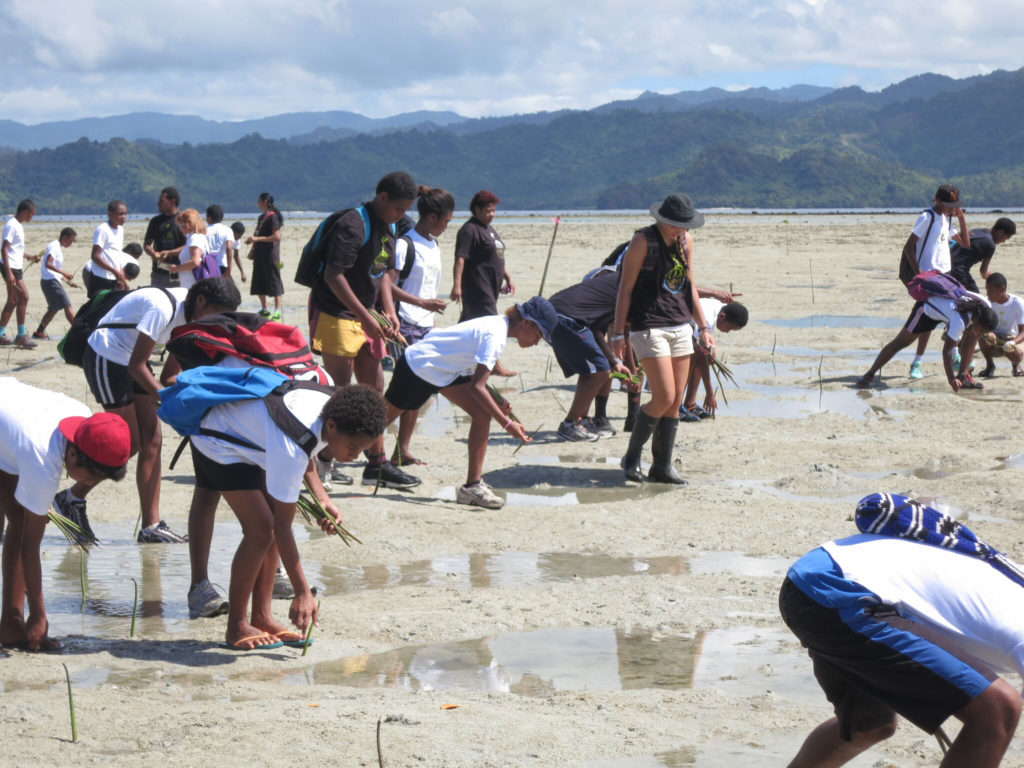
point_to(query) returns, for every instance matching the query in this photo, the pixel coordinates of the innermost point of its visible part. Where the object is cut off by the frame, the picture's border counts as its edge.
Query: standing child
(238, 229)
(417, 277)
(50, 273)
(927, 248)
(13, 253)
(220, 238)
(243, 454)
(42, 434)
(104, 270)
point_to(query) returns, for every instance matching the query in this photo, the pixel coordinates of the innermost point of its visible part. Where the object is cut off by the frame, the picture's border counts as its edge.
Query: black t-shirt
(483, 271)
(163, 233)
(363, 266)
(591, 302)
(982, 247)
(661, 295)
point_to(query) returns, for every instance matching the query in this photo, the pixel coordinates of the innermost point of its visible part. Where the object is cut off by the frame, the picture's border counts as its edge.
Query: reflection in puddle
(481, 571)
(163, 575)
(563, 497)
(836, 321)
(528, 663)
(740, 564)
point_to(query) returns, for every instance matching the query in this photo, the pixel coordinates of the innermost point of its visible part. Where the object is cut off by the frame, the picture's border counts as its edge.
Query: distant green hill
(847, 148)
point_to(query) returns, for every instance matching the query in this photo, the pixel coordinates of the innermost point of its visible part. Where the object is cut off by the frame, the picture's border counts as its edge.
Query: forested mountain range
(802, 148)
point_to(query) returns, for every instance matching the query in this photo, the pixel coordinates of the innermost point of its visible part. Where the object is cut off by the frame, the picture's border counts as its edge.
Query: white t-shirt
(444, 354)
(711, 308)
(195, 240)
(14, 236)
(932, 245)
(110, 241)
(1011, 316)
(31, 445)
(54, 251)
(945, 311)
(149, 310)
(282, 459)
(218, 236)
(424, 279)
(957, 594)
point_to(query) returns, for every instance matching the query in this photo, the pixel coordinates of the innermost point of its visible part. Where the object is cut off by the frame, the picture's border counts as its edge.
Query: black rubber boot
(642, 430)
(662, 470)
(632, 409)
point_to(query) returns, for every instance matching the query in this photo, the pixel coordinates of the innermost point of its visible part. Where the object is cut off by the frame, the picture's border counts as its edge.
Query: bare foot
(501, 370)
(864, 381)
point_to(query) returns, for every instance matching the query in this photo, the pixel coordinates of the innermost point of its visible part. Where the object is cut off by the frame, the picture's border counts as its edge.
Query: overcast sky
(232, 59)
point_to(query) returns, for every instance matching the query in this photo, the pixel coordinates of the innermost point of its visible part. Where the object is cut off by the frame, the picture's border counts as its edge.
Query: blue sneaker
(915, 370)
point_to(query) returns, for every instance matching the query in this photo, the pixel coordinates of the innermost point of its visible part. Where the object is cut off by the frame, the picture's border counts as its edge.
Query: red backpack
(249, 337)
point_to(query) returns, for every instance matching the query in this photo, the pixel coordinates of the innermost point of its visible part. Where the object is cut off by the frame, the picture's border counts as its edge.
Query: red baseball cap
(103, 437)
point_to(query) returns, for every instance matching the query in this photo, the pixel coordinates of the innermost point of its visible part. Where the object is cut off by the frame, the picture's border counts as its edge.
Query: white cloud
(250, 58)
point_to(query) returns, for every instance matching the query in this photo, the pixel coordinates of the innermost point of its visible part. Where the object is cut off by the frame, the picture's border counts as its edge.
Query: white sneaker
(479, 495)
(575, 432)
(206, 601)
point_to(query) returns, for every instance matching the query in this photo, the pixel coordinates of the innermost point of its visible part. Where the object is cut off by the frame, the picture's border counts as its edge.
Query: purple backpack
(208, 267)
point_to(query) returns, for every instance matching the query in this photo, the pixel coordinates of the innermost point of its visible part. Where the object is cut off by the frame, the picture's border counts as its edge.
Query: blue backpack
(196, 391)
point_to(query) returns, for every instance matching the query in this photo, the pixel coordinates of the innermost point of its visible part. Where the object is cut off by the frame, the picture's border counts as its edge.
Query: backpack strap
(927, 232)
(286, 420)
(410, 257)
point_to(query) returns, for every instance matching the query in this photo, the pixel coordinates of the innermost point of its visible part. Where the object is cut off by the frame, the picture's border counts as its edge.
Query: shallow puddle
(835, 321)
(565, 497)
(480, 571)
(162, 572)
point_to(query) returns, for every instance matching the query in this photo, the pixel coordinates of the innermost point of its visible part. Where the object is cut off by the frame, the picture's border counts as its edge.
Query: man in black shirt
(164, 240)
(982, 248)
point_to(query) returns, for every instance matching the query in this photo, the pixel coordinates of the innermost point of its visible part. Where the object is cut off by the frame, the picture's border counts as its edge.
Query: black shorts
(919, 322)
(110, 383)
(226, 477)
(576, 349)
(409, 392)
(868, 681)
(56, 296)
(94, 285)
(17, 273)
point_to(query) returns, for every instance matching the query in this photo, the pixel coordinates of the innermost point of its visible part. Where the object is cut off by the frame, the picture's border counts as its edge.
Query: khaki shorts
(993, 344)
(662, 342)
(342, 337)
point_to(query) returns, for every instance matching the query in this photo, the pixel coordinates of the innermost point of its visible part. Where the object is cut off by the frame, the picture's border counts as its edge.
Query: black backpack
(87, 319)
(311, 260)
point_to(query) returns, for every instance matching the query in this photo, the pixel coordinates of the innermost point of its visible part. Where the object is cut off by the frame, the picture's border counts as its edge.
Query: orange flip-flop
(235, 645)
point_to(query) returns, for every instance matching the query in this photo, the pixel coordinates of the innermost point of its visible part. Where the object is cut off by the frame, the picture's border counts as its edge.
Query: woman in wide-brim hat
(658, 300)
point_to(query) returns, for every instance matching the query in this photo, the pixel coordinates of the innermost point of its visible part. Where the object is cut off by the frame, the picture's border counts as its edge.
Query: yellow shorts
(342, 337)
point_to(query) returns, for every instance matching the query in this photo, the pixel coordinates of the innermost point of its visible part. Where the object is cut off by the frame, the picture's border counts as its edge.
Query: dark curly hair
(356, 410)
(96, 469)
(218, 291)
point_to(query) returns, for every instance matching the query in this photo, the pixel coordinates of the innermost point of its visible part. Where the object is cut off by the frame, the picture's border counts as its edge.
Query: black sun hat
(678, 211)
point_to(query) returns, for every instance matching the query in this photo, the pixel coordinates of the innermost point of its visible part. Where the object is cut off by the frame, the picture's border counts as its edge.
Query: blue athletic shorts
(870, 662)
(575, 348)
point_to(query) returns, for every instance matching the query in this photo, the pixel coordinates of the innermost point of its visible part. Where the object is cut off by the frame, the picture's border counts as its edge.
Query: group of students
(943, 262)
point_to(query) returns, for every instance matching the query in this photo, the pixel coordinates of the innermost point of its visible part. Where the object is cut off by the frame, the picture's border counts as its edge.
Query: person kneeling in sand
(42, 434)
(1008, 336)
(965, 321)
(259, 469)
(457, 361)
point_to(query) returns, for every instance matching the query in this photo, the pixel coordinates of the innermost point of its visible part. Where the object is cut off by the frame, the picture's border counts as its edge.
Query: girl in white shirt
(196, 246)
(417, 293)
